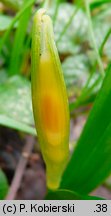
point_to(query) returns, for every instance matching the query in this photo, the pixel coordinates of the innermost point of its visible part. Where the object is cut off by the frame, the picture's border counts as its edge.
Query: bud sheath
(49, 99)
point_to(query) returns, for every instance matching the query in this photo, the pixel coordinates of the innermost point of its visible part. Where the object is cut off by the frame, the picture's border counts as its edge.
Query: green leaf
(17, 49)
(11, 123)
(15, 104)
(91, 161)
(74, 33)
(76, 70)
(3, 75)
(13, 22)
(101, 23)
(3, 185)
(88, 96)
(5, 21)
(98, 3)
(68, 195)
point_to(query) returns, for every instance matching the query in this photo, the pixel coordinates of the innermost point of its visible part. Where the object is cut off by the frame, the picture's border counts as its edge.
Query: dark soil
(33, 184)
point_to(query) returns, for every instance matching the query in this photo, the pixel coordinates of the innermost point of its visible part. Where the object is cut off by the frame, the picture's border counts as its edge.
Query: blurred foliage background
(83, 37)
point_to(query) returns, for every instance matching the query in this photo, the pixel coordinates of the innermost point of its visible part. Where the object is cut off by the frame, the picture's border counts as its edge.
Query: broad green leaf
(68, 195)
(101, 23)
(76, 70)
(91, 161)
(11, 123)
(3, 185)
(76, 31)
(15, 104)
(5, 21)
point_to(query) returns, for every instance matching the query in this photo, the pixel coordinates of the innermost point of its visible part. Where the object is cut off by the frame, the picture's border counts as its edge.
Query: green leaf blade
(68, 195)
(3, 185)
(15, 105)
(91, 160)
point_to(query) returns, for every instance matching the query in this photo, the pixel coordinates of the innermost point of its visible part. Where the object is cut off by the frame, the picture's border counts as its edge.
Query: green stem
(67, 24)
(93, 38)
(46, 4)
(86, 90)
(104, 41)
(15, 59)
(56, 10)
(16, 18)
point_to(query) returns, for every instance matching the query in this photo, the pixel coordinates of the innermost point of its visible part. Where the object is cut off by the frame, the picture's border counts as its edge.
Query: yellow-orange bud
(49, 99)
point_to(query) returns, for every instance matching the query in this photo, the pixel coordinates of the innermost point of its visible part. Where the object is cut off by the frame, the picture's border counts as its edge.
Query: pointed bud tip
(39, 14)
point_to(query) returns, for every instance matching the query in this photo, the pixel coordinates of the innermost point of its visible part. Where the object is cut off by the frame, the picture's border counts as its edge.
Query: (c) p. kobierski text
(51, 208)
